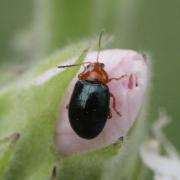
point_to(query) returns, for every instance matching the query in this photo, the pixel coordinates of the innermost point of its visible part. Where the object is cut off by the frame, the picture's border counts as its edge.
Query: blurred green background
(30, 30)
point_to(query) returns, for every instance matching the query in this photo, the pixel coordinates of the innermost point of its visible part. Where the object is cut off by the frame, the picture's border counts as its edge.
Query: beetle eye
(88, 66)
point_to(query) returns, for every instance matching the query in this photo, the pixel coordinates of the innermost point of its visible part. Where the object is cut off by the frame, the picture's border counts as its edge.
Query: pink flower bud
(129, 93)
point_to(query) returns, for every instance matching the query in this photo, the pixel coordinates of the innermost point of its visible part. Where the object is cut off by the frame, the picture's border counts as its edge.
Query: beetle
(89, 109)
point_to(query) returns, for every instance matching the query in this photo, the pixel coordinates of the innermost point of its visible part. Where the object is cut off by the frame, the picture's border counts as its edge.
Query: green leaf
(7, 146)
(31, 110)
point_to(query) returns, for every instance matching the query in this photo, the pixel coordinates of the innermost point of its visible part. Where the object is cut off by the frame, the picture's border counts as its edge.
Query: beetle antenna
(71, 65)
(100, 37)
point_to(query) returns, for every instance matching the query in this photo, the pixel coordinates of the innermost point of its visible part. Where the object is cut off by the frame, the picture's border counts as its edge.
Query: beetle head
(94, 72)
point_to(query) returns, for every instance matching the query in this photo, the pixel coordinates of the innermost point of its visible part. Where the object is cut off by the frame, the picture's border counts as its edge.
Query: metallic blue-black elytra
(88, 108)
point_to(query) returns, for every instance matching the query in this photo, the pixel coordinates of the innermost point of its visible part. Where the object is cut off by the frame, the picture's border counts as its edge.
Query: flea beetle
(89, 109)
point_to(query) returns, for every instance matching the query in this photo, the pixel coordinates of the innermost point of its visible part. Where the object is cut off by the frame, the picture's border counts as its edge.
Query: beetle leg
(114, 104)
(118, 78)
(109, 114)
